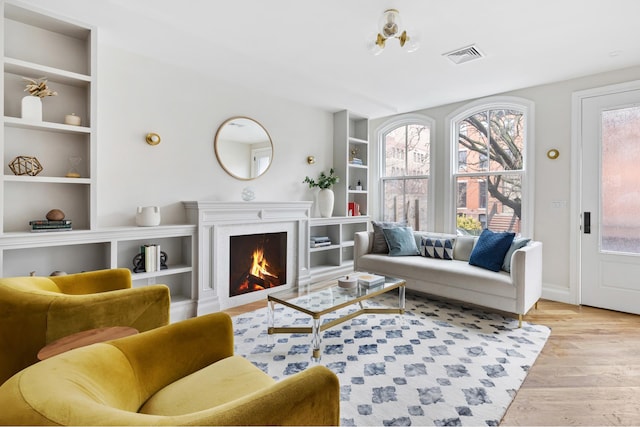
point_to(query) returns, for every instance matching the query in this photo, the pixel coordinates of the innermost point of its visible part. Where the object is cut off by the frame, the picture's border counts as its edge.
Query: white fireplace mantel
(217, 221)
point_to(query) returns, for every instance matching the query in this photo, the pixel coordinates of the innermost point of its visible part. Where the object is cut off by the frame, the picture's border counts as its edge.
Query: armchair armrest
(311, 397)
(186, 346)
(91, 282)
(141, 308)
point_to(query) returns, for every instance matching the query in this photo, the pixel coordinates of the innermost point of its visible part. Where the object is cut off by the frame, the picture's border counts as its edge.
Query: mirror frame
(218, 154)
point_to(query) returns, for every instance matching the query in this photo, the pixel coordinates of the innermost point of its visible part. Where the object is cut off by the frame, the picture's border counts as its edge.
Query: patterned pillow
(431, 247)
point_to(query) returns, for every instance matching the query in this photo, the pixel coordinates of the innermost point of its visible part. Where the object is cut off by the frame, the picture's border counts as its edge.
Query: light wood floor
(587, 374)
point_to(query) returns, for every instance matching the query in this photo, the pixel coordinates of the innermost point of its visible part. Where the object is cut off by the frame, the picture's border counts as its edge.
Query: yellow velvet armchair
(181, 374)
(36, 310)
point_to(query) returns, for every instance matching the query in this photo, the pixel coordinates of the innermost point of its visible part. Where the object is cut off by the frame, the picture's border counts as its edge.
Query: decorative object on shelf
(32, 104)
(74, 161)
(353, 153)
(152, 138)
(553, 154)
(139, 262)
(359, 186)
(325, 195)
(72, 119)
(55, 215)
(25, 165)
(389, 27)
(311, 160)
(348, 282)
(58, 273)
(248, 194)
(148, 216)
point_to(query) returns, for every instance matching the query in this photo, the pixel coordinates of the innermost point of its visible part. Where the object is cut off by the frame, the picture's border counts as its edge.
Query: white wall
(137, 95)
(552, 177)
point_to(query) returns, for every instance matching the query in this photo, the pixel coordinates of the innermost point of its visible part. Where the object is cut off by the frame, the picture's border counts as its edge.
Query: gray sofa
(514, 292)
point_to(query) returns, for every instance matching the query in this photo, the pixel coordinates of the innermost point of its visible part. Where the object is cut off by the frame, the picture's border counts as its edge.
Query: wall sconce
(389, 27)
(152, 138)
(311, 160)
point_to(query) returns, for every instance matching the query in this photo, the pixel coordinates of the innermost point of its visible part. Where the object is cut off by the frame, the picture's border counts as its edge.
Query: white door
(610, 235)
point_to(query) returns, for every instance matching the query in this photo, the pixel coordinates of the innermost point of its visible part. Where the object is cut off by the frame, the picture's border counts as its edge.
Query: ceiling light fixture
(390, 27)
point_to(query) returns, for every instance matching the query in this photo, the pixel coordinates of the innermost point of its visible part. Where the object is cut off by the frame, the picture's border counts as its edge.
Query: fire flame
(259, 267)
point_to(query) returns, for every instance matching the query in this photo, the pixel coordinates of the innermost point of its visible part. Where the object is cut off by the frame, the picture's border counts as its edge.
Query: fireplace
(257, 262)
(219, 222)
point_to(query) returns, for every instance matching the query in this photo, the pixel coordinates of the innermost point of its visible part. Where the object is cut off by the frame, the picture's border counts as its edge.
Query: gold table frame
(352, 296)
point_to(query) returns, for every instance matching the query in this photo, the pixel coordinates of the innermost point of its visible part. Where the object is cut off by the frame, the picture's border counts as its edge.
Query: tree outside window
(406, 173)
(492, 169)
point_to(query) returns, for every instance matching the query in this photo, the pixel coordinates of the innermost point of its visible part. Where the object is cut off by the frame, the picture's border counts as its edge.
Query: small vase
(148, 216)
(325, 202)
(32, 108)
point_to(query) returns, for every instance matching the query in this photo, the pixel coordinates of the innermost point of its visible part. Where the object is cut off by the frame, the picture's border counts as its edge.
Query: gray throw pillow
(400, 241)
(463, 247)
(379, 243)
(518, 242)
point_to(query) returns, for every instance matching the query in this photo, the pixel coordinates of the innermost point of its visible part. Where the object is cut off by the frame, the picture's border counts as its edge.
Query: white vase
(325, 202)
(32, 108)
(148, 216)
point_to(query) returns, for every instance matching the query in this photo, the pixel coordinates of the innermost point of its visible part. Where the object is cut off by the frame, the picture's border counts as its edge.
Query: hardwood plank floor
(587, 374)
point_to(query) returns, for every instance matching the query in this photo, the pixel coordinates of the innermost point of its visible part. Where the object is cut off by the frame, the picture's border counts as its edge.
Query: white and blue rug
(441, 364)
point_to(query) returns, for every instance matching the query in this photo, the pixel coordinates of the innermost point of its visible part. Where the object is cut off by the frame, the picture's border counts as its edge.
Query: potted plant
(325, 195)
(32, 104)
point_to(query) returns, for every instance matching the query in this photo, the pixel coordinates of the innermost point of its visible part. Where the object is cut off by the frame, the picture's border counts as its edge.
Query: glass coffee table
(318, 303)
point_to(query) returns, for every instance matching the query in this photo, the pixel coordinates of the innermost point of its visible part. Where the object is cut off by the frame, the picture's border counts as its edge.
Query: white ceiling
(315, 52)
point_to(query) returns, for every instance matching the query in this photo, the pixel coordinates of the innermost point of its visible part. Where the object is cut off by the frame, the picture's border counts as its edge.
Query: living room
(150, 84)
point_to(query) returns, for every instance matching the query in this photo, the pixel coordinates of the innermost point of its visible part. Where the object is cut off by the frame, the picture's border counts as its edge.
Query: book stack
(320, 241)
(151, 256)
(356, 161)
(354, 209)
(367, 280)
(45, 225)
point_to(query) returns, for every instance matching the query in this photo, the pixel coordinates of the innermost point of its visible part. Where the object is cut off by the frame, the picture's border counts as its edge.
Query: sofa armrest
(362, 245)
(91, 282)
(311, 397)
(526, 274)
(142, 308)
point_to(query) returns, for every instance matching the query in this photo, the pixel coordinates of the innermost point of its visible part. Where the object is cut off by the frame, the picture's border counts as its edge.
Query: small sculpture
(55, 215)
(25, 165)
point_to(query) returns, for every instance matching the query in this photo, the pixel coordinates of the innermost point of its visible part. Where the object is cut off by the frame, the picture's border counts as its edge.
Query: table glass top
(333, 297)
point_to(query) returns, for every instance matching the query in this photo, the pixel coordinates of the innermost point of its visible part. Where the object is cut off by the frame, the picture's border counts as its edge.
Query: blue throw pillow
(401, 241)
(490, 249)
(437, 248)
(519, 242)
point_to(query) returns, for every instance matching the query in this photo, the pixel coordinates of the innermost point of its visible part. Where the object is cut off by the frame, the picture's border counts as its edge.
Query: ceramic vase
(148, 216)
(325, 202)
(32, 108)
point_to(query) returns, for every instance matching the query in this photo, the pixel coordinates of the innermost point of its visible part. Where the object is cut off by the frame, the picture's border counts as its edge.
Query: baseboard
(558, 293)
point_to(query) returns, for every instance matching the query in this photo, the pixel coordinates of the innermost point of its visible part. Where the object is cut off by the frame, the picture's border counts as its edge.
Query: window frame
(381, 132)
(528, 167)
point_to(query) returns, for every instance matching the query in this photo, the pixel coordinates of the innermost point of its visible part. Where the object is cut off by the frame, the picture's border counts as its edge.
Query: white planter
(32, 108)
(325, 202)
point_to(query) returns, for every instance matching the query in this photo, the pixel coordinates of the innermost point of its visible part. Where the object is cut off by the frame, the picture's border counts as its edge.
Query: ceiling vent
(465, 54)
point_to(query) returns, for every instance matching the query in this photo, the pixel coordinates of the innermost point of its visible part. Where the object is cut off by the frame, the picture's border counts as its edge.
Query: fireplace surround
(218, 222)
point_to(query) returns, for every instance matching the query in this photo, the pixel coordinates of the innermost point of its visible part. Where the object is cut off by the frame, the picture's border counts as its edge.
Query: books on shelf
(319, 241)
(356, 161)
(368, 280)
(319, 244)
(45, 225)
(151, 255)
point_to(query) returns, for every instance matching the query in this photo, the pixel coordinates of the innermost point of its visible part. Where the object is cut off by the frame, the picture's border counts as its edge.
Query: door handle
(586, 222)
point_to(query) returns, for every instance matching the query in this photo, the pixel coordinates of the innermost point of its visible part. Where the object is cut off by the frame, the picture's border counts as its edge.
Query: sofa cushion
(379, 242)
(490, 249)
(224, 381)
(518, 243)
(463, 247)
(400, 241)
(437, 248)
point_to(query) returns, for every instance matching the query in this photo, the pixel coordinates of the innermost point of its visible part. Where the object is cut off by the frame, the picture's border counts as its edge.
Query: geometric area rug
(441, 363)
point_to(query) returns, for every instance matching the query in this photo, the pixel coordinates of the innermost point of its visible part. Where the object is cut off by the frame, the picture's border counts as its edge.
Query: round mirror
(243, 148)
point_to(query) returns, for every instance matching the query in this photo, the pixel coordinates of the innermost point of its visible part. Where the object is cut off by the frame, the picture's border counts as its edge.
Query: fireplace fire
(257, 262)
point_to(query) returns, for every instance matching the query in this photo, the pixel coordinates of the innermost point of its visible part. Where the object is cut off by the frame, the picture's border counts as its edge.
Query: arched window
(491, 186)
(405, 175)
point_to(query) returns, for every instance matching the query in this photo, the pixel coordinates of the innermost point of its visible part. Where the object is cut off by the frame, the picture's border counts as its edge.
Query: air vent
(464, 54)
